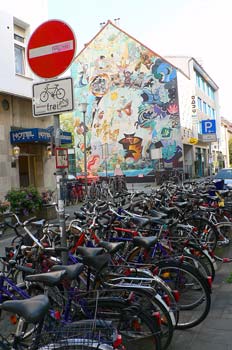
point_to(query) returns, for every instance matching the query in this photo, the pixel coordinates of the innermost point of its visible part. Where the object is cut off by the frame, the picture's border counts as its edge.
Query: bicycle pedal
(225, 242)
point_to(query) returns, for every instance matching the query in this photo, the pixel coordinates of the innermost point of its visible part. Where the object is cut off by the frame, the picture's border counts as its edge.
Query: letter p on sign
(208, 126)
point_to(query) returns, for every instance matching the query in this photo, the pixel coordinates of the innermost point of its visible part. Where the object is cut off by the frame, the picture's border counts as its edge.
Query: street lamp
(83, 109)
(16, 152)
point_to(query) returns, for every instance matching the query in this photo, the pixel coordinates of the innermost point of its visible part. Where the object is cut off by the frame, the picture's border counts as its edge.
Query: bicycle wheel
(194, 301)
(206, 233)
(201, 260)
(223, 251)
(139, 330)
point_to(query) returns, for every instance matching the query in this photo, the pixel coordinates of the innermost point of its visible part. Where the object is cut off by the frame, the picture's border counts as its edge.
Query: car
(223, 178)
(71, 177)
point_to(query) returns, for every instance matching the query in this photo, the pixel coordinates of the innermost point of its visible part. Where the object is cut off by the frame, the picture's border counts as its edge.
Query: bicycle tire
(205, 266)
(168, 313)
(185, 278)
(198, 263)
(125, 319)
(223, 251)
(206, 257)
(207, 233)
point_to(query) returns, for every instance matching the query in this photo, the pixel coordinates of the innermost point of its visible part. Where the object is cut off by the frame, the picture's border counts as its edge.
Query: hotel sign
(37, 135)
(29, 135)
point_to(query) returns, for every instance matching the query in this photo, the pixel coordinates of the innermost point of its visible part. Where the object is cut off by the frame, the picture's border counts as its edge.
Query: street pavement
(215, 332)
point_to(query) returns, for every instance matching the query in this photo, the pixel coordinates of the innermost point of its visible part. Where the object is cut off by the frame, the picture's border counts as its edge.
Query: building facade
(23, 138)
(223, 155)
(199, 104)
(145, 113)
(132, 121)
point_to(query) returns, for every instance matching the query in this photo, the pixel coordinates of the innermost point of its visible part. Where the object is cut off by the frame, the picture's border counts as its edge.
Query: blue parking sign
(208, 126)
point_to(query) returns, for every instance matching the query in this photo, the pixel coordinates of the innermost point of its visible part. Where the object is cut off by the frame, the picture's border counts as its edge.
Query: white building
(18, 19)
(198, 101)
(223, 155)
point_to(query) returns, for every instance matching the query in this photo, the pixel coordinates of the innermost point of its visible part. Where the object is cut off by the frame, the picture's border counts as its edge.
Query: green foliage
(66, 123)
(229, 278)
(24, 201)
(4, 206)
(230, 150)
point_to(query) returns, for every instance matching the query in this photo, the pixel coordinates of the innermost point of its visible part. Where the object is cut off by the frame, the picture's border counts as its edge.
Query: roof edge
(121, 30)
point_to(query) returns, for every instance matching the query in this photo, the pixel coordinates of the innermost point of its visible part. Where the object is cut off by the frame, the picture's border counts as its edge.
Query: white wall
(185, 91)
(30, 11)
(31, 14)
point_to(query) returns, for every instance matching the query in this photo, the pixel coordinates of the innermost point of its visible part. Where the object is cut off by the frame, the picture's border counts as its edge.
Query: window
(19, 49)
(204, 107)
(19, 38)
(198, 80)
(210, 111)
(19, 60)
(211, 93)
(199, 103)
(204, 86)
(203, 83)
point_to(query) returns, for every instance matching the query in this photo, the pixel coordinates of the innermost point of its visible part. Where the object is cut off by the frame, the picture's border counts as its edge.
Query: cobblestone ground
(214, 333)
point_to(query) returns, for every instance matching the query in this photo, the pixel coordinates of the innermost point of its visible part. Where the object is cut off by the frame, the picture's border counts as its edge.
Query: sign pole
(210, 160)
(60, 192)
(50, 51)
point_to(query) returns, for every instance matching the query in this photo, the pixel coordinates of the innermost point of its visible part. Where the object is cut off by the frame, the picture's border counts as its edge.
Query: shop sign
(194, 107)
(61, 157)
(193, 141)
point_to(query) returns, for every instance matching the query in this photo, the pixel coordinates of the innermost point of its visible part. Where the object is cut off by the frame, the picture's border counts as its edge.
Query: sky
(198, 28)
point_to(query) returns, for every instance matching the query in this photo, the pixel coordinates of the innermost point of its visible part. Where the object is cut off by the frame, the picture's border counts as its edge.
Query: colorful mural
(132, 106)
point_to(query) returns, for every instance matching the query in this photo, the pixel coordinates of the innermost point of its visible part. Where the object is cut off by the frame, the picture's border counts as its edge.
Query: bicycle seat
(145, 242)
(79, 215)
(32, 310)
(157, 214)
(89, 252)
(49, 278)
(111, 247)
(39, 223)
(73, 271)
(97, 262)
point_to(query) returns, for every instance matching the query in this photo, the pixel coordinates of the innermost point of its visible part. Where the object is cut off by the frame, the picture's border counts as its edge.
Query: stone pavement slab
(215, 332)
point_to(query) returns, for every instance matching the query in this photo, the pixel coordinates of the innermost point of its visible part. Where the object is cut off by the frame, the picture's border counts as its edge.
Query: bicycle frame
(6, 282)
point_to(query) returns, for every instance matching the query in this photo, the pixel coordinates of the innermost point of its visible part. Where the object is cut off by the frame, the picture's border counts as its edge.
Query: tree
(230, 150)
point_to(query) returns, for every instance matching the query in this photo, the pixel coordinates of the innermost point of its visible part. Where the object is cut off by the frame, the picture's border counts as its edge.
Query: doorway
(26, 171)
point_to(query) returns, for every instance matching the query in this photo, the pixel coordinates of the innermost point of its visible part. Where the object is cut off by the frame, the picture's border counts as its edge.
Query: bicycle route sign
(52, 97)
(51, 49)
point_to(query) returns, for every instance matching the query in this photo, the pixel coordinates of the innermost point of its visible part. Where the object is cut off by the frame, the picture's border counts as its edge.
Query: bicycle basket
(80, 335)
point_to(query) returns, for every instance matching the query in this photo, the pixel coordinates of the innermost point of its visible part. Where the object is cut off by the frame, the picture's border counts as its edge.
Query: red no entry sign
(51, 49)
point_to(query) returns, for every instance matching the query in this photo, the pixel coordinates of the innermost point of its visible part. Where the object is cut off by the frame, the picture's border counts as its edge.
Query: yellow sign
(193, 140)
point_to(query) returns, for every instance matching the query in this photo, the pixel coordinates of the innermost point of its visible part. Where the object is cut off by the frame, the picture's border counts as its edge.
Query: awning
(37, 135)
